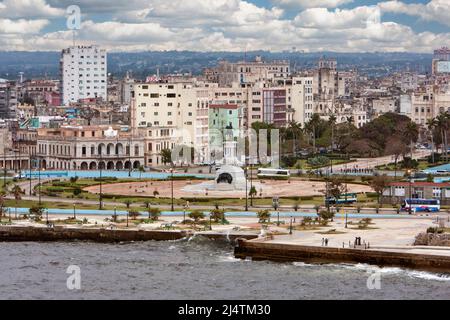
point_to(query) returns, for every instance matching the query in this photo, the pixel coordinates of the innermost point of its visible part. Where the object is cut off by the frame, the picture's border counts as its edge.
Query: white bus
(421, 205)
(269, 173)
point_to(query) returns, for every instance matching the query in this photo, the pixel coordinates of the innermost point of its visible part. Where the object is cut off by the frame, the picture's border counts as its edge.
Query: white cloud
(21, 26)
(28, 9)
(323, 18)
(435, 10)
(311, 3)
(220, 25)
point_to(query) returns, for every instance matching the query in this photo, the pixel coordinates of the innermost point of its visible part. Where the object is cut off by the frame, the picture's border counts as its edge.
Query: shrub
(196, 215)
(154, 213)
(318, 161)
(326, 215)
(434, 230)
(77, 191)
(74, 179)
(218, 215)
(263, 216)
(133, 214)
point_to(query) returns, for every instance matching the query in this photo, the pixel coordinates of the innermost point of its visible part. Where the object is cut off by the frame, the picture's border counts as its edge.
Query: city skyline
(229, 25)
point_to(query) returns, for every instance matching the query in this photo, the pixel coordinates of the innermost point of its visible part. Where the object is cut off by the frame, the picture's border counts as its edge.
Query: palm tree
(442, 124)
(141, 170)
(295, 130)
(311, 128)
(431, 125)
(17, 193)
(411, 133)
(332, 121)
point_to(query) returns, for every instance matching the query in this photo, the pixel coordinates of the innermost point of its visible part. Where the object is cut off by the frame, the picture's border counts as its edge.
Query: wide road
(371, 163)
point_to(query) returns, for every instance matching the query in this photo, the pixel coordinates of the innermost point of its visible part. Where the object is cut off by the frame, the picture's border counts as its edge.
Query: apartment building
(84, 73)
(245, 72)
(8, 99)
(165, 114)
(301, 98)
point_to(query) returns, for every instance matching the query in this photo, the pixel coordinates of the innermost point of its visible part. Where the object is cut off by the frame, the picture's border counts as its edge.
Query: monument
(230, 176)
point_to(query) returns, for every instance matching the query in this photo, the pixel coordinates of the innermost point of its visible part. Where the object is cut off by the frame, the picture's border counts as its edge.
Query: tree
(326, 215)
(133, 214)
(128, 203)
(263, 216)
(141, 170)
(336, 187)
(17, 193)
(397, 148)
(196, 215)
(2, 205)
(253, 192)
(411, 133)
(332, 121)
(154, 213)
(316, 127)
(147, 203)
(431, 125)
(379, 184)
(218, 215)
(36, 212)
(166, 156)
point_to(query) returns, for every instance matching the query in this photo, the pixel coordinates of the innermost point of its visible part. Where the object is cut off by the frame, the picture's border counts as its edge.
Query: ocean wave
(425, 275)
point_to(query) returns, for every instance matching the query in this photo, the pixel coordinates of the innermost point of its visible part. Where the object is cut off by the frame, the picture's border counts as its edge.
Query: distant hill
(142, 64)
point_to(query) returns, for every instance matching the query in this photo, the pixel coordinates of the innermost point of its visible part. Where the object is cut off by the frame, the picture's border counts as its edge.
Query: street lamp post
(30, 176)
(410, 190)
(171, 182)
(127, 218)
(46, 210)
(4, 168)
(74, 211)
(246, 189)
(210, 221)
(290, 227)
(115, 214)
(129, 157)
(100, 198)
(39, 181)
(186, 207)
(251, 184)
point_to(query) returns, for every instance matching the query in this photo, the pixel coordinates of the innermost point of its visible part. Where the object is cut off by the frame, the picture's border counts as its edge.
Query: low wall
(17, 234)
(286, 253)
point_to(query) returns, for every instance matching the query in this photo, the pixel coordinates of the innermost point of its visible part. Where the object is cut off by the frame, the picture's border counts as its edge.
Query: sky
(228, 25)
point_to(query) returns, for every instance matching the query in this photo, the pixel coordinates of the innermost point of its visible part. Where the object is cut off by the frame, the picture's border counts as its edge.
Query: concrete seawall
(44, 234)
(257, 250)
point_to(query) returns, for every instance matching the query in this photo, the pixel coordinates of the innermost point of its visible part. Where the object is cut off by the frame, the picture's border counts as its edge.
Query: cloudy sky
(229, 25)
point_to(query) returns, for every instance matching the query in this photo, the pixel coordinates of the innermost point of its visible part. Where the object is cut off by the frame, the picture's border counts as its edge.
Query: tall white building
(84, 73)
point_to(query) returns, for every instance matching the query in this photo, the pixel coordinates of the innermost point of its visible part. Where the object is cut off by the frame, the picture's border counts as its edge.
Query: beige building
(89, 148)
(246, 72)
(427, 103)
(165, 114)
(301, 100)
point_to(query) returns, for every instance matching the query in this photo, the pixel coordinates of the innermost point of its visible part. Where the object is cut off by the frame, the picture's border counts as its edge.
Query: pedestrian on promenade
(326, 242)
(323, 241)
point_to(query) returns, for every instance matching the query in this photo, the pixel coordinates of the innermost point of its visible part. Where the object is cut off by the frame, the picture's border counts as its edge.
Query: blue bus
(347, 198)
(421, 205)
